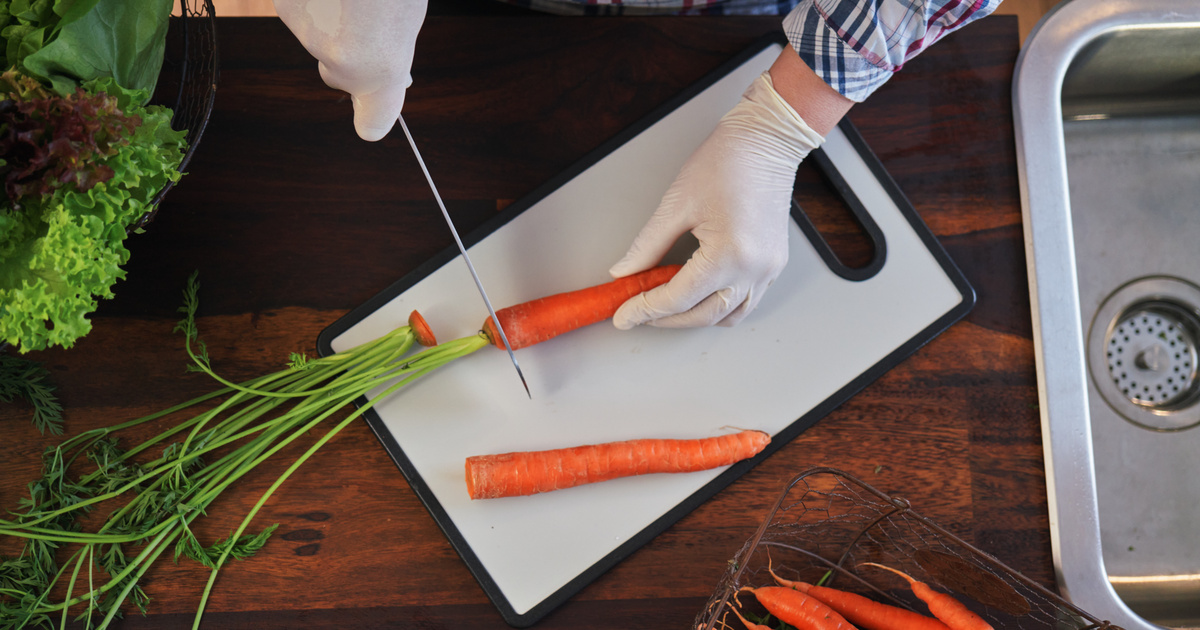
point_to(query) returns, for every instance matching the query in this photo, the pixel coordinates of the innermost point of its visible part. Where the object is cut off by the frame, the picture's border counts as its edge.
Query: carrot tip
(902, 574)
(792, 584)
(421, 330)
(746, 622)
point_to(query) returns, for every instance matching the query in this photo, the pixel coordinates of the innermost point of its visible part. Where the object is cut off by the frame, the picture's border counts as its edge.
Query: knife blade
(467, 259)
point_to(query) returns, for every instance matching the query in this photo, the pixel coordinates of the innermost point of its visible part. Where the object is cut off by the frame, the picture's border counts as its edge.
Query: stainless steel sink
(1107, 106)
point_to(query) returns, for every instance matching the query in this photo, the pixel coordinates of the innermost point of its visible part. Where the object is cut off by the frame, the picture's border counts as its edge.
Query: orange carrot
(421, 330)
(864, 612)
(531, 472)
(538, 320)
(800, 610)
(951, 611)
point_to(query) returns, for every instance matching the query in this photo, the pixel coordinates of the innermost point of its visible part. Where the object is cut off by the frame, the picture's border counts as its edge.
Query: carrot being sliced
(531, 472)
(538, 320)
(800, 610)
(951, 611)
(864, 612)
(421, 330)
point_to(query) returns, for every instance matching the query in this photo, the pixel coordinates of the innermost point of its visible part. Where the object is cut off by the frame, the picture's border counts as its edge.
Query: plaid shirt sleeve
(856, 45)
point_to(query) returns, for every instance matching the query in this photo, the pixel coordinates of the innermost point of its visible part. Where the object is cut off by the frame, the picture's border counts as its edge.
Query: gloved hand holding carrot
(734, 194)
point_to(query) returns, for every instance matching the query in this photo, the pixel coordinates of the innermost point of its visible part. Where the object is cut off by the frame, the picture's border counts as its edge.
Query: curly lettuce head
(62, 252)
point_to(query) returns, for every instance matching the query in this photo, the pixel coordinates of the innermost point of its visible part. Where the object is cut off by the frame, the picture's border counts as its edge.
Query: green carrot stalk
(252, 422)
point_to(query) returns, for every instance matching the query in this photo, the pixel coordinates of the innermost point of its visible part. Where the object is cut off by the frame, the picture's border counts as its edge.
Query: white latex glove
(363, 47)
(734, 194)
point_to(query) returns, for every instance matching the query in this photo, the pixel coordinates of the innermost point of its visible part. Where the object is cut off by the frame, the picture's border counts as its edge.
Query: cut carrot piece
(421, 330)
(531, 472)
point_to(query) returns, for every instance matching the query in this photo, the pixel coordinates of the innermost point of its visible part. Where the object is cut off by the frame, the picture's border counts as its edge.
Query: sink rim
(1062, 370)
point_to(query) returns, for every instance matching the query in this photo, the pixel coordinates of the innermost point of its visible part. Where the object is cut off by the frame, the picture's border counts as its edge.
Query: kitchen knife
(467, 259)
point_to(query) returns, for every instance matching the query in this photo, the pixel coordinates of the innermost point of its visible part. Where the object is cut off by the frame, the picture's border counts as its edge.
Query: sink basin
(1107, 113)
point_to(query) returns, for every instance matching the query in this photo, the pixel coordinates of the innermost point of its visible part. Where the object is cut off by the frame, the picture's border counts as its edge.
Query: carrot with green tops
(538, 320)
(800, 610)
(421, 330)
(951, 611)
(531, 472)
(864, 612)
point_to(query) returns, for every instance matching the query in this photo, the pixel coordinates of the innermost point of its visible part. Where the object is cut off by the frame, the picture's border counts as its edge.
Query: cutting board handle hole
(836, 222)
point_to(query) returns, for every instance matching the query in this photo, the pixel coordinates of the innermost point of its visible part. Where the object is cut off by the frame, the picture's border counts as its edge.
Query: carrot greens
(152, 493)
(30, 380)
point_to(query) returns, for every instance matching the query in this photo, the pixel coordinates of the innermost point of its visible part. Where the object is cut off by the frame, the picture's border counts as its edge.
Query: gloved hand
(734, 194)
(363, 47)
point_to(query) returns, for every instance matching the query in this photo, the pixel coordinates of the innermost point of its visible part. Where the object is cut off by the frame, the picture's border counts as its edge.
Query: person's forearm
(814, 100)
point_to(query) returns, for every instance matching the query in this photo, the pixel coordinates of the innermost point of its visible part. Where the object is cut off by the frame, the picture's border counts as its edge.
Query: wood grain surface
(292, 221)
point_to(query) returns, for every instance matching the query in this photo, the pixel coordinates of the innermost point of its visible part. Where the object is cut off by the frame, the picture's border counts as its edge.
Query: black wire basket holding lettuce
(102, 104)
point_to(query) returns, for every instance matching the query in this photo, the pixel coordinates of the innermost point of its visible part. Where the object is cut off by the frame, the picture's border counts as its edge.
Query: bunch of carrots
(813, 607)
(158, 488)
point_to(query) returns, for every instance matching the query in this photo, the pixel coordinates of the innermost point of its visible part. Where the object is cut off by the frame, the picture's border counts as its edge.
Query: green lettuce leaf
(111, 38)
(25, 26)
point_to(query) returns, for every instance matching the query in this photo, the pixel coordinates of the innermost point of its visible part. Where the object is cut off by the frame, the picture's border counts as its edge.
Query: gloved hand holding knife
(364, 48)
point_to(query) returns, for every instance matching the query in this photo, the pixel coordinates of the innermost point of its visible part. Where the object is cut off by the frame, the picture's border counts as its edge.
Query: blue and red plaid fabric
(854, 45)
(659, 7)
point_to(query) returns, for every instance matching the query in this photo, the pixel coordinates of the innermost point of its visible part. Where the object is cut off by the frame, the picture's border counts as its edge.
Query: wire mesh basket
(828, 524)
(188, 81)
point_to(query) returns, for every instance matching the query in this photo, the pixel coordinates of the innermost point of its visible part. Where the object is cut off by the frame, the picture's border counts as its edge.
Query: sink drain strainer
(1152, 356)
(1143, 352)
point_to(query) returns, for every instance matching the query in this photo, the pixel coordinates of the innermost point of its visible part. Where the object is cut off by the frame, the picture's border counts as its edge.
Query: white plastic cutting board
(814, 336)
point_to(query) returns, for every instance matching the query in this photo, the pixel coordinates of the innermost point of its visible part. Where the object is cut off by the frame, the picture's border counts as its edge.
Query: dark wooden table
(292, 221)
